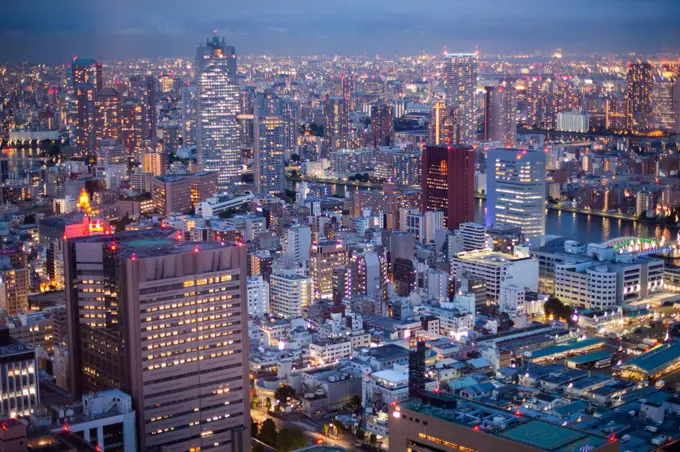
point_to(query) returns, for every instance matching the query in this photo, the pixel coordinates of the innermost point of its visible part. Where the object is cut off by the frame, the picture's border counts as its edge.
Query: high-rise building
(382, 125)
(189, 113)
(500, 114)
(663, 109)
(144, 89)
(218, 108)
(461, 83)
(290, 113)
(416, 368)
(289, 294)
(258, 296)
(14, 287)
(87, 79)
(437, 124)
(573, 121)
(324, 257)
(270, 136)
(516, 190)
(132, 125)
(19, 382)
(640, 79)
(297, 245)
(449, 182)
(246, 117)
(106, 115)
(349, 89)
(617, 113)
(335, 124)
(165, 321)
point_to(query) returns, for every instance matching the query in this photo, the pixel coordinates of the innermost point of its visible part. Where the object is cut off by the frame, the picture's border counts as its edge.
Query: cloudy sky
(53, 30)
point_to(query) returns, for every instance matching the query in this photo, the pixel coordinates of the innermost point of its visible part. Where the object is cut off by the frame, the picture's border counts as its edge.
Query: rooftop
(655, 359)
(566, 348)
(488, 257)
(523, 429)
(589, 357)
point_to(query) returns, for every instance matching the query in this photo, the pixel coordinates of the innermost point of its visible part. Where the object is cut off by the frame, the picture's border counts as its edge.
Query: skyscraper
(218, 108)
(448, 183)
(500, 115)
(268, 162)
(165, 321)
(516, 190)
(144, 89)
(335, 123)
(290, 113)
(106, 115)
(132, 125)
(189, 113)
(87, 79)
(382, 125)
(663, 111)
(640, 84)
(325, 256)
(461, 82)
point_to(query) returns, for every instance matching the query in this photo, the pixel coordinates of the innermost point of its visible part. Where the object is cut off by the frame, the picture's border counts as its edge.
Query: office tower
(461, 83)
(516, 190)
(349, 90)
(324, 257)
(258, 296)
(269, 144)
(178, 194)
(246, 117)
(500, 115)
(165, 321)
(218, 108)
(14, 286)
(676, 103)
(436, 123)
(382, 125)
(189, 114)
(449, 182)
(290, 293)
(297, 245)
(663, 111)
(143, 88)
(342, 284)
(404, 276)
(424, 226)
(87, 79)
(335, 123)
(369, 274)
(260, 263)
(132, 125)
(19, 382)
(416, 368)
(290, 113)
(616, 113)
(106, 115)
(640, 82)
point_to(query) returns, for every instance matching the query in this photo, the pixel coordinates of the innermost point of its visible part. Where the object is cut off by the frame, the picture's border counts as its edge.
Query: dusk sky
(49, 30)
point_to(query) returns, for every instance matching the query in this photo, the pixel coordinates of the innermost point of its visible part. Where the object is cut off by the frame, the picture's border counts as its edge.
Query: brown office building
(165, 321)
(177, 194)
(448, 183)
(460, 425)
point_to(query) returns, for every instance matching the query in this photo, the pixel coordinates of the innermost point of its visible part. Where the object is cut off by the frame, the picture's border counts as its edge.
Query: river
(590, 228)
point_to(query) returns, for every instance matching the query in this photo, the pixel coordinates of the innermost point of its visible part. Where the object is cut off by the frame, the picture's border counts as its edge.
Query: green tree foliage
(268, 433)
(290, 440)
(557, 309)
(283, 393)
(373, 439)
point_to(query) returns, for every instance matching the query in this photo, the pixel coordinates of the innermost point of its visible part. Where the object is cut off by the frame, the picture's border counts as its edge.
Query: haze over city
(48, 31)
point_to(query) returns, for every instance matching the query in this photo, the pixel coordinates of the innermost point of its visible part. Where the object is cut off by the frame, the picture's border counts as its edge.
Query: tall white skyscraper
(218, 107)
(461, 83)
(297, 245)
(516, 189)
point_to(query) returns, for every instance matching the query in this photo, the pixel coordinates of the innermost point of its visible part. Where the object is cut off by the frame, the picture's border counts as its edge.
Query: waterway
(590, 228)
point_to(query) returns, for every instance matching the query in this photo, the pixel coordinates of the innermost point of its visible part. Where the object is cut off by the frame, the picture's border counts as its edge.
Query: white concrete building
(494, 267)
(474, 236)
(258, 296)
(298, 243)
(437, 285)
(323, 351)
(573, 121)
(289, 293)
(423, 226)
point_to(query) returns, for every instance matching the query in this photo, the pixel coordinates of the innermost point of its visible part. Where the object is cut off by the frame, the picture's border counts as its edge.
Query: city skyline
(50, 32)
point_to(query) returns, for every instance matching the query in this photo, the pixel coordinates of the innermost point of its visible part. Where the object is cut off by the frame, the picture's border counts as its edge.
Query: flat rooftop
(488, 257)
(523, 429)
(566, 348)
(655, 359)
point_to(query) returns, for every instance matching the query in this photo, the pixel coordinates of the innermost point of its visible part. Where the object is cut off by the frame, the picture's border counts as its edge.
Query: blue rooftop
(655, 360)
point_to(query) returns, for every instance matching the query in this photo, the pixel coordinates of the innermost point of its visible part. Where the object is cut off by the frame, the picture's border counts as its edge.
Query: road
(311, 434)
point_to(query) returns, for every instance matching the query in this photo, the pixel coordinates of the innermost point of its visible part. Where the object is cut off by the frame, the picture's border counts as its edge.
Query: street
(312, 435)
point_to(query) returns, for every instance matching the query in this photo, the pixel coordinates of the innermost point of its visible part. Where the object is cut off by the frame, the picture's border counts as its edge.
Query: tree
(268, 432)
(257, 447)
(290, 440)
(268, 403)
(558, 310)
(254, 402)
(373, 439)
(361, 435)
(325, 429)
(283, 393)
(254, 429)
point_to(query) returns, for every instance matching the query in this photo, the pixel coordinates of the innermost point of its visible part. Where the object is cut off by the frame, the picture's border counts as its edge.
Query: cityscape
(463, 249)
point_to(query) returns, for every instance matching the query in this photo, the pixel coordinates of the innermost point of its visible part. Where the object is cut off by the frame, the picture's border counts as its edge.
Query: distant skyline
(51, 31)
